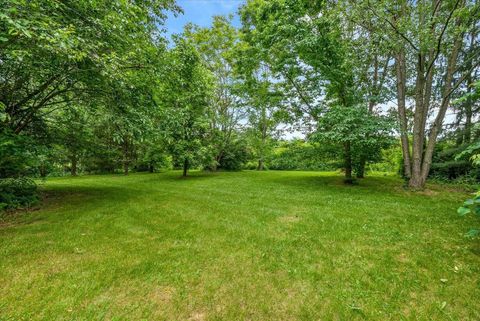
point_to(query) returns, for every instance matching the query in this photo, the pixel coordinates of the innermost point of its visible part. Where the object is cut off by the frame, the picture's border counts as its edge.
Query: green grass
(239, 246)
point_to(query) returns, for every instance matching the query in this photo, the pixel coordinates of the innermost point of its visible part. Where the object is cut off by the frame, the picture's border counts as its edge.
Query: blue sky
(200, 12)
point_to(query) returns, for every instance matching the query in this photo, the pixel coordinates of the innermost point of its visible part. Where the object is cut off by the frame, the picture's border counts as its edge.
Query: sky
(200, 12)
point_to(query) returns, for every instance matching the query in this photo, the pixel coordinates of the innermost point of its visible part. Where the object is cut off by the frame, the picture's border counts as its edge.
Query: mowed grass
(239, 246)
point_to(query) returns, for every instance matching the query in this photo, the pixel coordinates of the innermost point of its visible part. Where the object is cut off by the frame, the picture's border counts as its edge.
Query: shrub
(448, 165)
(17, 193)
(452, 169)
(17, 157)
(471, 206)
(234, 156)
(299, 155)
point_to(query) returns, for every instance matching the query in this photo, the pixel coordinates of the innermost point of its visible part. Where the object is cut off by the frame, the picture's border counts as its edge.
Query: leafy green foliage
(17, 193)
(365, 133)
(16, 155)
(216, 47)
(55, 52)
(185, 97)
(471, 206)
(299, 155)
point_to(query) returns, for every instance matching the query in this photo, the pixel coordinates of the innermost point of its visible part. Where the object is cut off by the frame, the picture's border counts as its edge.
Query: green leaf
(468, 202)
(463, 211)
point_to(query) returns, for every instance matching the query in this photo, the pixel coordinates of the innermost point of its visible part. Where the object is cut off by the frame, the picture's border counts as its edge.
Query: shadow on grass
(197, 175)
(336, 182)
(62, 197)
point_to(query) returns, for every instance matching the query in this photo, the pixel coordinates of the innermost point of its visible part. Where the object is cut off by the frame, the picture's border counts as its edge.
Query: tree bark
(401, 75)
(185, 167)
(361, 168)
(125, 158)
(418, 128)
(73, 169)
(437, 124)
(151, 167)
(348, 163)
(260, 166)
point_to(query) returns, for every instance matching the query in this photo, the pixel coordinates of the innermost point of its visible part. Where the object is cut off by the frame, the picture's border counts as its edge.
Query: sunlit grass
(239, 246)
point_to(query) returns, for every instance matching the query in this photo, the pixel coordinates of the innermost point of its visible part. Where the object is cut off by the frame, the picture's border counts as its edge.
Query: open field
(239, 246)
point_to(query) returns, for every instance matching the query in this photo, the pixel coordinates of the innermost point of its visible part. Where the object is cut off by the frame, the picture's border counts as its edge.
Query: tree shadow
(61, 198)
(372, 184)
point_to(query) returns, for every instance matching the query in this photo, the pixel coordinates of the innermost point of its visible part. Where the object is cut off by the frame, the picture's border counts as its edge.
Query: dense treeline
(95, 87)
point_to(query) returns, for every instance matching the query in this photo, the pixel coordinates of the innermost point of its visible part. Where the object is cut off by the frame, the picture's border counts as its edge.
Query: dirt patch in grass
(197, 316)
(162, 294)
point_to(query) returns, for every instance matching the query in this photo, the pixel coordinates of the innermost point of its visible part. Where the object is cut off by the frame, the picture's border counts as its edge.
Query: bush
(471, 206)
(17, 193)
(234, 156)
(299, 155)
(17, 157)
(447, 166)
(452, 169)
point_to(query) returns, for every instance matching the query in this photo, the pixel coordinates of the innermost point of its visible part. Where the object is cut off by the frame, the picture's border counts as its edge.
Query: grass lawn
(239, 246)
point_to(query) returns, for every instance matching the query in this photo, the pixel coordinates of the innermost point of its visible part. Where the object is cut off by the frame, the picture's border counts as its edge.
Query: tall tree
(53, 52)
(427, 38)
(185, 98)
(216, 46)
(310, 51)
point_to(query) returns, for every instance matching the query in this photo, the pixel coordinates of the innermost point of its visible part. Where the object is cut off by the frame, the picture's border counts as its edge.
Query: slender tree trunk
(43, 171)
(467, 136)
(375, 89)
(261, 160)
(348, 163)
(418, 128)
(185, 167)
(260, 165)
(73, 169)
(361, 168)
(125, 158)
(467, 132)
(437, 124)
(151, 167)
(401, 74)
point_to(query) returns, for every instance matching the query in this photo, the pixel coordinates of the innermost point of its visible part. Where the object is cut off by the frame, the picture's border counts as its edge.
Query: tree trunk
(260, 166)
(418, 127)
(437, 124)
(73, 169)
(401, 74)
(361, 168)
(467, 132)
(43, 171)
(125, 158)
(467, 136)
(185, 167)
(348, 164)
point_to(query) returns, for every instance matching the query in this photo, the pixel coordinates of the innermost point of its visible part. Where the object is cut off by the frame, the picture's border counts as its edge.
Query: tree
(309, 49)
(185, 97)
(362, 134)
(216, 47)
(54, 52)
(261, 95)
(72, 132)
(427, 39)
